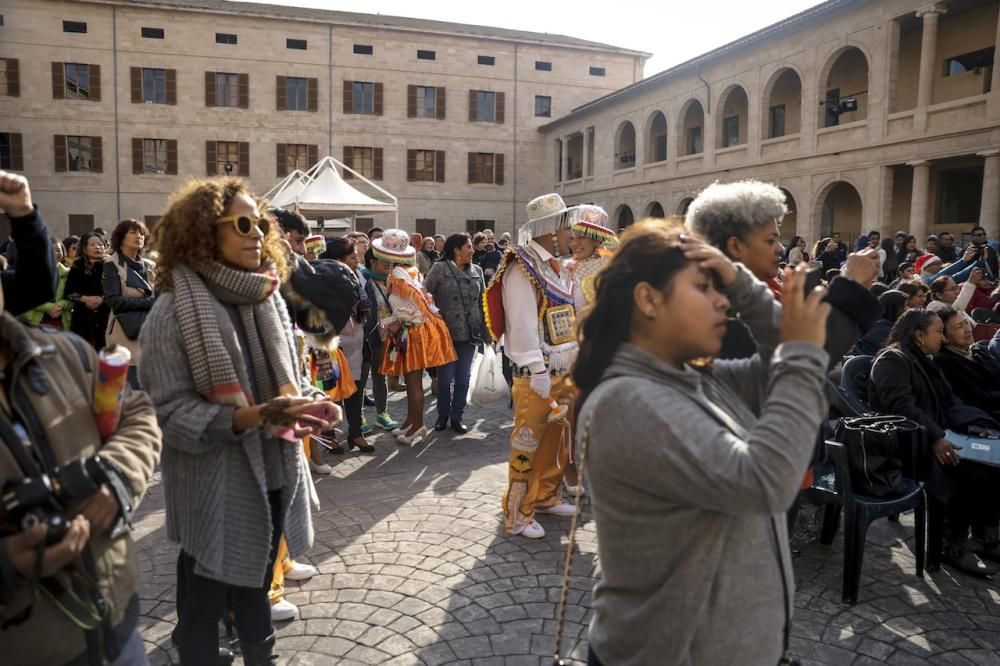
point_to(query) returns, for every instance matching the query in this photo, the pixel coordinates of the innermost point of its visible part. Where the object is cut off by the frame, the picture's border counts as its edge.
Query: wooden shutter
(349, 161)
(135, 76)
(472, 168)
(312, 154)
(439, 166)
(500, 104)
(440, 102)
(282, 159)
(210, 159)
(281, 93)
(244, 84)
(244, 159)
(348, 96)
(377, 102)
(58, 81)
(59, 141)
(376, 164)
(210, 90)
(13, 77)
(95, 83)
(411, 165)
(472, 107)
(172, 157)
(96, 154)
(411, 101)
(16, 152)
(498, 169)
(138, 161)
(312, 94)
(171, 77)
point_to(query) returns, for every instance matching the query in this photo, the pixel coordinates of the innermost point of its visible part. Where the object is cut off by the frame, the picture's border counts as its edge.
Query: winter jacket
(132, 299)
(91, 325)
(457, 293)
(35, 316)
(975, 381)
(902, 385)
(692, 537)
(872, 342)
(33, 280)
(56, 383)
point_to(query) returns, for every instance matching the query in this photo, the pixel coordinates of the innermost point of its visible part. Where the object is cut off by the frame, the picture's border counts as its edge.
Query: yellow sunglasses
(244, 225)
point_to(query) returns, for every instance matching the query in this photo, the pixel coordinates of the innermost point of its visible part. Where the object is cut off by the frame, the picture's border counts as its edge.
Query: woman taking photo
(691, 524)
(220, 365)
(904, 381)
(128, 290)
(84, 287)
(457, 285)
(416, 336)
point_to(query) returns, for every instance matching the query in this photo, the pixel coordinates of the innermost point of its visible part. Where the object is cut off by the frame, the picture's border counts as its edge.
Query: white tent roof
(328, 195)
(284, 195)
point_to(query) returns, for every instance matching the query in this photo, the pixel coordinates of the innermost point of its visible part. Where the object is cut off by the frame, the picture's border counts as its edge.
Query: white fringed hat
(546, 215)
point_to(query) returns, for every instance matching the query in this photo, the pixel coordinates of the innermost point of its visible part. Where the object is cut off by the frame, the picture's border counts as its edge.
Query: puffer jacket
(54, 377)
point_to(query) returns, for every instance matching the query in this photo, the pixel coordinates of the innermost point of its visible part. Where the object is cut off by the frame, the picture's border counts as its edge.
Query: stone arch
(656, 138)
(691, 117)
(655, 209)
(623, 217)
(844, 78)
(733, 117)
(624, 146)
(683, 205)
(839, 207)
(783, 89)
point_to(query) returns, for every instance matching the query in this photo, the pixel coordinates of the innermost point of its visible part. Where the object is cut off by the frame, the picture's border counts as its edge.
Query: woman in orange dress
(416, 336)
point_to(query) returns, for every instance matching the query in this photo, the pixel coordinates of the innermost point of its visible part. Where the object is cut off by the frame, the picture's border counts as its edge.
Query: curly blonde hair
(186, 232)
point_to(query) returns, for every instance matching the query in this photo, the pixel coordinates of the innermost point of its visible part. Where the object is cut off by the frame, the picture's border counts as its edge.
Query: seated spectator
(961, 270)
(968, 366)
(905, 382)
(904, 273)
(946, 248)
(916, 293)
(893, 304)
(878, 289)
(946, 294)
(796, 253)
(908, 251)
(85, 288)
(927, 265)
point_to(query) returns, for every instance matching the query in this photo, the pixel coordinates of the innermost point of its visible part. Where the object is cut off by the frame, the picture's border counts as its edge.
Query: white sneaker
(562, 509)
(320, 469)
(530, 531)
(283, 611)
(301, 571)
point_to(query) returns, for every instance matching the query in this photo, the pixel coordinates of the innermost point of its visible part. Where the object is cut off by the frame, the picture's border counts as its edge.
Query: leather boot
(258, 654)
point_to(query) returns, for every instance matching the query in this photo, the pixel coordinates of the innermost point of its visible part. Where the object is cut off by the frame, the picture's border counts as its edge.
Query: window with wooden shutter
(312, 154)
(59, 142)
(83, 153)
(377, 164)
(500, 107)
(171, 86)
(135, 80)
(137, 161)
(155, 156)
(483, 106)
(172, 157)
(10, 77)
(281, 92)
(498, 169)
(244, 158)
(473, 111)
(411, 101)
(426, 227)
(439, 166)
(361, 159)
(348, 161)
(211, 158)
(11, 151)
(210, 89)
(424, 168)
(80, 224)
(378, 99)
(96, 154)
(348, 96)
(153, 85)
(95, 83)
(411, 165)
(296, 93)
(228, 91)
(440, 102)
(281, 166)
(292, 156)
(58, 81)
(312, 94)
(244, 83)
(472, 169)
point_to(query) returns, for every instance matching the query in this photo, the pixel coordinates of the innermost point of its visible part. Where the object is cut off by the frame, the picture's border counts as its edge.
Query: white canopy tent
(321, 192)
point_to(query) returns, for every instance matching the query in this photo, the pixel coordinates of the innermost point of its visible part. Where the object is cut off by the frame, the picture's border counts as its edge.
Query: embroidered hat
(546, 215)
(925, 260)
(394, 247)
(591, 222)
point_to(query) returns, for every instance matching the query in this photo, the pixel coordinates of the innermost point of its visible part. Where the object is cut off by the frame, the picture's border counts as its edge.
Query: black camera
(43, 499)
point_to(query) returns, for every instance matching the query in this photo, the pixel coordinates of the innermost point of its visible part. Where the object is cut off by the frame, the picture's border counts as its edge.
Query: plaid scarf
(254, 294)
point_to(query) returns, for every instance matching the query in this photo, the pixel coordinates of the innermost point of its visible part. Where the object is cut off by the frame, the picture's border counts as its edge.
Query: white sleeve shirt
(520, 301)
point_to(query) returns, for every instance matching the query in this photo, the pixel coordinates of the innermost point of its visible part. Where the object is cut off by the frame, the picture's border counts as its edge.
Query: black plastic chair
(859, 512)
(854, 380)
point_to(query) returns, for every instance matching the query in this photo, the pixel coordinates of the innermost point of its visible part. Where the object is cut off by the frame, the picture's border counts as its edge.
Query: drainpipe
(114, 73)
(708, 90)
(513, 161)
(329, 92)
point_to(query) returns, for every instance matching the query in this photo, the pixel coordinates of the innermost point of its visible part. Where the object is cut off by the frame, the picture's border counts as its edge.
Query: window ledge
(780, 139)
(836, 128)
(625, 170)
(731, 149)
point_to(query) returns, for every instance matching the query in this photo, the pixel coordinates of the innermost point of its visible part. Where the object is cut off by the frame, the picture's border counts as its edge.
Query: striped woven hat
(591, 222)
(394, 247)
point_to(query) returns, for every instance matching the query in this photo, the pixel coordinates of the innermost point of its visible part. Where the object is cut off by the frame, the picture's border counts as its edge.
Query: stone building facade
(108, 105)
(870, 114)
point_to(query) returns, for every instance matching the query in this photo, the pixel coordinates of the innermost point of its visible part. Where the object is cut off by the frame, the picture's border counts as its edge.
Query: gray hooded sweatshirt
(691, 473)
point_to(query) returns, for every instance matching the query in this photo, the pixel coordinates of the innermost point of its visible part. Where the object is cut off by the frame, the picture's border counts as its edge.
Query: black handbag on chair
(879, 450)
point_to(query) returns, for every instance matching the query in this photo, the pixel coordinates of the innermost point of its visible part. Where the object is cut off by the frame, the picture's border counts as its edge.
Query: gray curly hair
(724, 210)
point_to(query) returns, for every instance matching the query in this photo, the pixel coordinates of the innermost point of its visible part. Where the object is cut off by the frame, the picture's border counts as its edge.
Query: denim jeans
(450, 404)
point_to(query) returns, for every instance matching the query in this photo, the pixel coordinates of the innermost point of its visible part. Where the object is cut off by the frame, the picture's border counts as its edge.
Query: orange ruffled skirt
(427, 346)
(346, 386)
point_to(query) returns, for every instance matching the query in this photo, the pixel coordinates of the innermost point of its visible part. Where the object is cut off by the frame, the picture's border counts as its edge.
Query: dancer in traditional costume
(417, 337)
(591, 245)
(530, 303)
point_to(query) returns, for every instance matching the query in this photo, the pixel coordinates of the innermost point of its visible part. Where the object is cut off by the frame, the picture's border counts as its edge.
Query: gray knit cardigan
(213, 479)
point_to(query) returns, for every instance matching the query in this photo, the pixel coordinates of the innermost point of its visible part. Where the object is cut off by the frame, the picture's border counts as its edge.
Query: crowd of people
(685, 363)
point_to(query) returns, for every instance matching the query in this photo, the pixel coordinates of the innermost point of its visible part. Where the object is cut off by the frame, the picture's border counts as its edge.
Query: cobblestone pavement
(415, 569)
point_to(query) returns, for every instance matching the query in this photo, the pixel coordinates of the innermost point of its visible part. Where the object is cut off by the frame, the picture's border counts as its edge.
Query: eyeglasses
(245, 225)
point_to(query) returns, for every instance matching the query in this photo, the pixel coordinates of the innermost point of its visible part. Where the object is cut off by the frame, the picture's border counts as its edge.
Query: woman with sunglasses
(219, 363)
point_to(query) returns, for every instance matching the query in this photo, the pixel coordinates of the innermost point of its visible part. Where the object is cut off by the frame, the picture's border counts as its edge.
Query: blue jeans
(452, 405)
